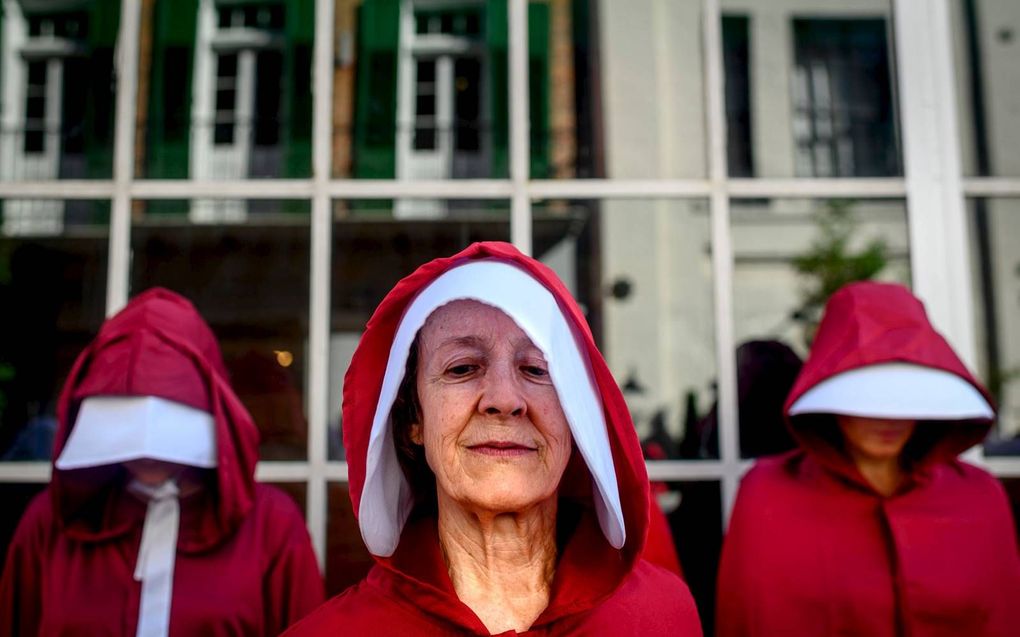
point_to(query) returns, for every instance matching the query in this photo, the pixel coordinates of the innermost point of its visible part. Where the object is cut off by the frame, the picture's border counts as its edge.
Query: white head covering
(113, 429)
(895, 390)
(386, 499)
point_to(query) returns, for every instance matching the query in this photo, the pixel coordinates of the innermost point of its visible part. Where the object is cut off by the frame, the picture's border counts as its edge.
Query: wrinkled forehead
(467, 324)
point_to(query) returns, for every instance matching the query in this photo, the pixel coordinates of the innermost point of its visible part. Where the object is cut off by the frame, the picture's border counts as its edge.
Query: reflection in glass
(420, 89)
(694, 512)
(842, 100)
(53, 261)
(995, 267)
(737, 64)
(809, 94)
(57, 89)
(249, 280)
(347, 559)
(1012, 486)
(372, 251)
(988, 85)
(788, 257)
(16, 498)
(641, 270)
(225, 89)
(638, 73)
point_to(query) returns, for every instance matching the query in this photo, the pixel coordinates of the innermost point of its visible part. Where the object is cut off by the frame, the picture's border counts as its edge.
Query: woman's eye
(461, 370)
(535, 371)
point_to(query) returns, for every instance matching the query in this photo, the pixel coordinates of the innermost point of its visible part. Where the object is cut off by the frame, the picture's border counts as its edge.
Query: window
(425, 105)
(441, 93)
(843, 115)
(35, 107)
(669, 259)
(736, 61)
(226, 98)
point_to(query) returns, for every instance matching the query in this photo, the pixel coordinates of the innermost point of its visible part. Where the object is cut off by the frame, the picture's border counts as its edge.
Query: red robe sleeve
(20, 585)
(293, 586)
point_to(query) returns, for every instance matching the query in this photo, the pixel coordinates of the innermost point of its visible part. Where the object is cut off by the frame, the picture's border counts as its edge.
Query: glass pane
(1012, 486)
(694, 513)
(641, 269)
(372, 251)
(810, 94)
(16, 498)
(53, 261)
(58, 90)
(995, 267)
(224, 92)
(431, 103)
(988, 85)
(789, 255)
(245, 266)
(347, 559)
(617, 89)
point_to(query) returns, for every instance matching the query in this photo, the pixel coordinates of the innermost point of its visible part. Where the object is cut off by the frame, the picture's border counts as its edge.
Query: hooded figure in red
(874, 527)
(483, 365)
(206, 551)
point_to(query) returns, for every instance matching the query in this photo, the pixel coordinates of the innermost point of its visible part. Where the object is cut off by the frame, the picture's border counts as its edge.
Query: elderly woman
(874, 527)
(152, 524)
(494, 468)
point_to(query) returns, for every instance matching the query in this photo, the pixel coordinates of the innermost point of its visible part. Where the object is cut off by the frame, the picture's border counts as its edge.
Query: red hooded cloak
(597, 590)
(813, 549)
(244, 564)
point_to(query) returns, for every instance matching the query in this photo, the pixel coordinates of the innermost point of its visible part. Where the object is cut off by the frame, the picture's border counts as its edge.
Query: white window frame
(933, 186)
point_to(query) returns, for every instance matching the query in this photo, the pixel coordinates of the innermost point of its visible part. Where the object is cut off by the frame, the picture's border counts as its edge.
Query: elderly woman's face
(493, 430)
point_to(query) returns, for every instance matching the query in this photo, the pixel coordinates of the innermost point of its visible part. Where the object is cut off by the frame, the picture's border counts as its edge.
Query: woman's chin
(503, 496)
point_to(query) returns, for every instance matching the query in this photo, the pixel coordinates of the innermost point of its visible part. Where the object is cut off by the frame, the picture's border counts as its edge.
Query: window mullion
(938, 231)
(722, 255)
(126, 68)
(520, 210)
(319, 302)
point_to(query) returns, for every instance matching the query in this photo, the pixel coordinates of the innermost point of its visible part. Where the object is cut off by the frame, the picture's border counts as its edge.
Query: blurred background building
(701, 173)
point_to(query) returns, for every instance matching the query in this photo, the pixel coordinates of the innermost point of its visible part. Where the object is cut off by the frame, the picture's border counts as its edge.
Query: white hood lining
(387, 500)
(895, 390)
(113, 429)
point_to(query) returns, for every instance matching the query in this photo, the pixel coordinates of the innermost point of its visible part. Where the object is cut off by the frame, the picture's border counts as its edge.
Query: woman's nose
(501, 393)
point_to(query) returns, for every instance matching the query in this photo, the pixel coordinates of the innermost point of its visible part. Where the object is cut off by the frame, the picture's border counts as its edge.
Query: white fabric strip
(386, 500)
(156, 557)
(112, 429)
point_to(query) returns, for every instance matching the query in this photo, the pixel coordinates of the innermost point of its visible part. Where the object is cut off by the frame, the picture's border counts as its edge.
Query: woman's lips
(502, 449)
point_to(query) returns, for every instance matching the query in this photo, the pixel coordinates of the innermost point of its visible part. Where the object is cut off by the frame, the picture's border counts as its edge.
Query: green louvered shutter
(297, 107)
(173, 55)
(538, 87)
(375, 115)
(103, 23)
(496, 37)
